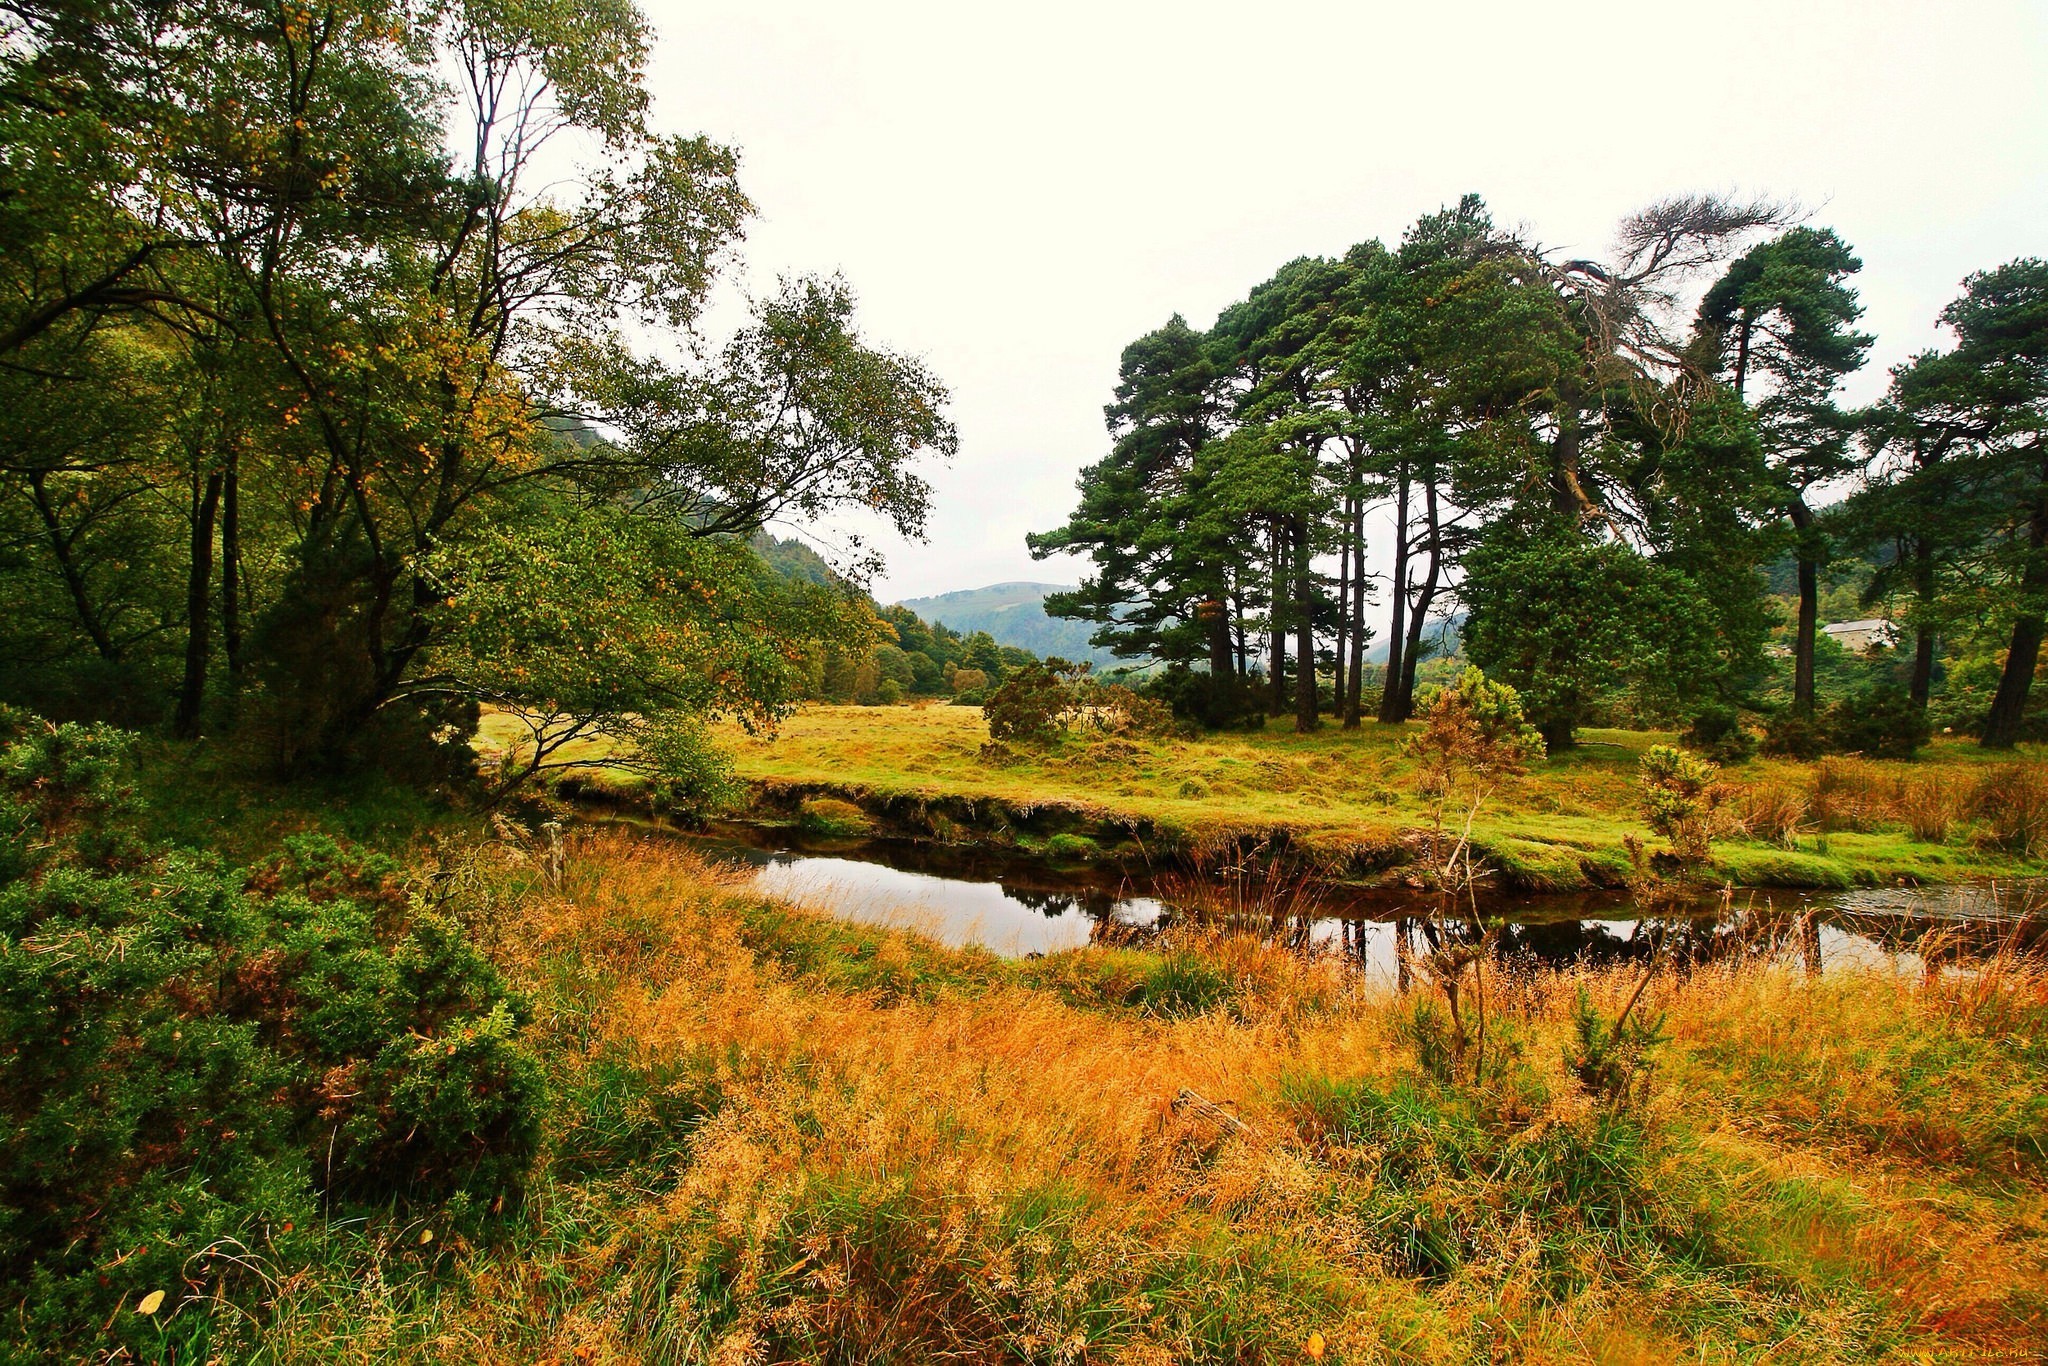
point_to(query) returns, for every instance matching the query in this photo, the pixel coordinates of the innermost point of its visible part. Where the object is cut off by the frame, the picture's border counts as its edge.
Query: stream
(1014, 905)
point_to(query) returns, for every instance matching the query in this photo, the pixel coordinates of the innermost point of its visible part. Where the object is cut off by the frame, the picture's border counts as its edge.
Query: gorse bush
(1039, 704)
(189, 1054)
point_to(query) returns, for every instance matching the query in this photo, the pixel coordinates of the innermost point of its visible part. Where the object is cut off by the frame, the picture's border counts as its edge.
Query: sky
(1017, 192)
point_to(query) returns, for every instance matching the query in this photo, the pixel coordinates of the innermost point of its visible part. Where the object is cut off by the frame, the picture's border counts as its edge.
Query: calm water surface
(975, 897)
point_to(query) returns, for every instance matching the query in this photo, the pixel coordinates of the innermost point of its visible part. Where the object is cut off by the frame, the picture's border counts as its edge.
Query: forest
(1600, 485)
(410, 544)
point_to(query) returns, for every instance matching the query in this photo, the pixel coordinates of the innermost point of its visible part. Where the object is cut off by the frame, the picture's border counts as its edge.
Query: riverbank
(777, 1136)
(1344, 805)
(746, 1131)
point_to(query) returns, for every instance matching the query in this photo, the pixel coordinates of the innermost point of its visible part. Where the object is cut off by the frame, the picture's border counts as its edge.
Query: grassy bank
(777, 1137)
(1351, 799)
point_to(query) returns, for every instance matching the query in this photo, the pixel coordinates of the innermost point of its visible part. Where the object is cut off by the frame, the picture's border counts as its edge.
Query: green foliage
(1793, 735)
(1210, 700)
(832, 818)
(1882, 722)
(1476, 728)
(188, 1052)
(1718, 732)
(1679, 799)
(1612, 1061)
(1040, 703)
(1565, 618)
(1031, 707)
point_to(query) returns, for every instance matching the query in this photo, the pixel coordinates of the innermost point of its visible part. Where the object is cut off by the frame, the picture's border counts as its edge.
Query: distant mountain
(1014, 613)
(1442, 637)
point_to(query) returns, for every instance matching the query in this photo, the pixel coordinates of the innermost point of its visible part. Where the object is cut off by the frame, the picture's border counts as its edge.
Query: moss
(1065, 848)
(833, 818)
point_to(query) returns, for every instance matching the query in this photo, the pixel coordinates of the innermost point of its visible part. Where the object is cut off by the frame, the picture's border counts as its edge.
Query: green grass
(1348, 797)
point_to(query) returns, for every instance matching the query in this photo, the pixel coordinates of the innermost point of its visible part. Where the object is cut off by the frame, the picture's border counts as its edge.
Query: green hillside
(1014, 614)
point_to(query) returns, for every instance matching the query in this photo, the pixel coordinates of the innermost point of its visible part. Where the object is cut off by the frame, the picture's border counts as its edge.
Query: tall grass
(779, 1137)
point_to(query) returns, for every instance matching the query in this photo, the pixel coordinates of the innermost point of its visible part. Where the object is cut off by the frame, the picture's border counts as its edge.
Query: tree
(589, 625)
(1564, 619)
(1778, 328)
(1163, 562)
(1966, 431)
(284, 366)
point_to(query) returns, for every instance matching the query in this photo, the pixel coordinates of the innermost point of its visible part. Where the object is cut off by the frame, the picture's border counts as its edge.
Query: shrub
(1881, 722)
(1211, 701)
(1790, 735)
(888, 693)
(1718, 733)
(186, 1051)
(1611, 1058)
(1679, 799)
(1031, 707)
(1474, 726)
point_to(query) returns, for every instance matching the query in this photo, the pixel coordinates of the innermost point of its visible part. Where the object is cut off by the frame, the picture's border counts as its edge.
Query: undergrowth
(767, 1135)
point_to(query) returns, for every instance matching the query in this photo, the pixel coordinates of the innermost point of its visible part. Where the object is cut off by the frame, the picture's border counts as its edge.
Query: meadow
(773, 1136)
(1353, 799)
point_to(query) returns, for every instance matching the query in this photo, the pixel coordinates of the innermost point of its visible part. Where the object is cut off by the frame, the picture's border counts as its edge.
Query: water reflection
(972, 897)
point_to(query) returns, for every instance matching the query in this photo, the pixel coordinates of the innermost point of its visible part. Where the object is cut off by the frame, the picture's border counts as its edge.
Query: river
(974, 896)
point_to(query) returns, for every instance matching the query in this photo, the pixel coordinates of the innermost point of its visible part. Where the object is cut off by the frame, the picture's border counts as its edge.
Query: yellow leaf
(150, 1303)
(426, 1236)
(1315, 1346)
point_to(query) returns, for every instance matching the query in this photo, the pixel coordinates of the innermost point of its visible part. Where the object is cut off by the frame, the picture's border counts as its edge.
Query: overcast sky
(1017, 192)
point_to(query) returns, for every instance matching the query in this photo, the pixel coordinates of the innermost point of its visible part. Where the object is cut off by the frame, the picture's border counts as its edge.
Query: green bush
(1210, 701)
(188, 1052)
(1789, 735)
(1880, 722)
(1031, 706)
(1718, 733)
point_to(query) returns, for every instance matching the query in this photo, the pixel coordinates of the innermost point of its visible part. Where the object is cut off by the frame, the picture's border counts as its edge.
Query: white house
(1860, 636)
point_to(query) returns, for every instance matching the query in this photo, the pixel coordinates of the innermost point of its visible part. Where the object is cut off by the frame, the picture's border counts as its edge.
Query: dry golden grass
(796, 1139)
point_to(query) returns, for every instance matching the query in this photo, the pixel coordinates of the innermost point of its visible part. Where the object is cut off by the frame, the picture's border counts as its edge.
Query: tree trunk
(231, 565)
(74, 577)
(1809, 611)
(1397, 629)
(2009, 705)
(1219, 634)
(1338, 662)
(1277, 706)
(198, 606)
(1357, 679)
(1567, 494)
(1305, 718)
(1923, 636)
(1418, 621)
(1244, 663)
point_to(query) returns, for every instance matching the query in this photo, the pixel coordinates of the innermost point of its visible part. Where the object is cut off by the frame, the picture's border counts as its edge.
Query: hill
(1014, 614)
